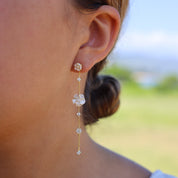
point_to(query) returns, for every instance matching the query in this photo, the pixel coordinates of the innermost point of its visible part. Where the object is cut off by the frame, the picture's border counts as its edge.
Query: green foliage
(168, 83)
(122, 74)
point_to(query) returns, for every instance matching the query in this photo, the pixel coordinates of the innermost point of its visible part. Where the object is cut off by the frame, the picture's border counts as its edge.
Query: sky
(150, 31)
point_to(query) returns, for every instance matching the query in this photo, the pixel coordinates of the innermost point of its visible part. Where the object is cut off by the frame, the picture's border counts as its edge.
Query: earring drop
(79, 100)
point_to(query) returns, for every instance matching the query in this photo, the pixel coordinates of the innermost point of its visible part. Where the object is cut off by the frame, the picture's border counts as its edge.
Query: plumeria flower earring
(78, 100)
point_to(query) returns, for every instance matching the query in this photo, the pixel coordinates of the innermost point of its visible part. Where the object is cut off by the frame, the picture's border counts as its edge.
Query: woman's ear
(101, 33)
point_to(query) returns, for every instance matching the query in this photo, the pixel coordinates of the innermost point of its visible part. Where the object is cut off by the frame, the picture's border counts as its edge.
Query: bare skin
(40, 41)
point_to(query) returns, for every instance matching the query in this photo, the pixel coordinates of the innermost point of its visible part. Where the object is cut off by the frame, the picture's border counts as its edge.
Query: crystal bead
(78, 66)
(79, 99)
(78, 114)
(79, 130)
(79, 152)
(79, 79)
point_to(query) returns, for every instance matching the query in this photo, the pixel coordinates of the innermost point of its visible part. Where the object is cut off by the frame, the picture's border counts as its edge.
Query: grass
(144, 129)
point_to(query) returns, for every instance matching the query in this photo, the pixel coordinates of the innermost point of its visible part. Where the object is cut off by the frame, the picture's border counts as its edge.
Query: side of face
(34, 45)
(40, 41)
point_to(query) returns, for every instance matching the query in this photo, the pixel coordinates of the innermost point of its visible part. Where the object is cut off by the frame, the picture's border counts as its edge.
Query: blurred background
(145, 60)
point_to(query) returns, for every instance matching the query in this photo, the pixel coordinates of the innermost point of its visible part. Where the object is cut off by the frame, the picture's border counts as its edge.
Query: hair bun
(102, 98)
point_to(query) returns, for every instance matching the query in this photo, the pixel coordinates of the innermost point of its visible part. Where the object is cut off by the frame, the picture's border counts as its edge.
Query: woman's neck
(47, 149)
(43, 146)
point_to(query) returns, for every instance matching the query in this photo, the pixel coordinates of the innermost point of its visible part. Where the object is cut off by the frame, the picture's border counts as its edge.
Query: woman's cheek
(31, 48)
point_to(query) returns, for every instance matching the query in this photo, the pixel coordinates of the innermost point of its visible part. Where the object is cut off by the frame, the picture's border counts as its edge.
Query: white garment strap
(160, 174)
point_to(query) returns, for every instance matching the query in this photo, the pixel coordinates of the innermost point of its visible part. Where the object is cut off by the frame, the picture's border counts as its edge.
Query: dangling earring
(79, 100)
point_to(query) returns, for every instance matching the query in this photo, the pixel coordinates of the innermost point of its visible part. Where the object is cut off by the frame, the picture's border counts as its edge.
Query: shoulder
(122, 167)
(114, 165)
(129, 168)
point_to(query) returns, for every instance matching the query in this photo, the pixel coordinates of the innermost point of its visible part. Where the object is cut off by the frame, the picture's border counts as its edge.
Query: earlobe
(103, 30)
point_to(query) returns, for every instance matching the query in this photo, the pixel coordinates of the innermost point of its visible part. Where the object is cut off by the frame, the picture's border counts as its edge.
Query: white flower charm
(78, 66)
(79, 130)
(79, 100)
(79, 152)
(79, 79)
(78, 114)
